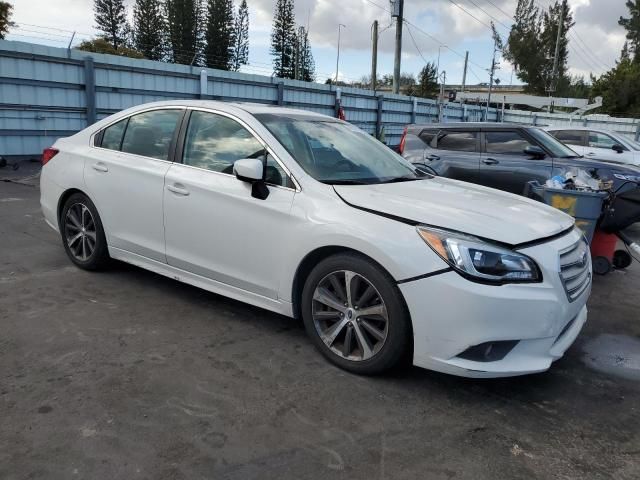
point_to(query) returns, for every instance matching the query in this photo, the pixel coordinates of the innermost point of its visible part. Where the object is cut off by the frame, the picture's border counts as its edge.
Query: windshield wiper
(345, 182)
(402, 179)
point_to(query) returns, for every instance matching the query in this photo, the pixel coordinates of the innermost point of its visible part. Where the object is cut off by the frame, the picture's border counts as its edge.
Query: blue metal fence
(47, 93)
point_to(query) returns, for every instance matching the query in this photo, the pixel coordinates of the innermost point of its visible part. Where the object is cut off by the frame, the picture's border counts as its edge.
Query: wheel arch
(63, 199)
(311, 259)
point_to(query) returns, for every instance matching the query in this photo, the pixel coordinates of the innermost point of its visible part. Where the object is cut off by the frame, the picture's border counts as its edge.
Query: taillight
(48, 154)
(402, 141)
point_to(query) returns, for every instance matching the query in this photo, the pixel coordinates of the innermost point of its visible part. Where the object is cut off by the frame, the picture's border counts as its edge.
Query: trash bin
(585, 207)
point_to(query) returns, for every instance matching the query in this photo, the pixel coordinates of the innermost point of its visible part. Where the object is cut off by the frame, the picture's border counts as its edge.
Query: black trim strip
(426, 275)
(539, 241)
(376, 212)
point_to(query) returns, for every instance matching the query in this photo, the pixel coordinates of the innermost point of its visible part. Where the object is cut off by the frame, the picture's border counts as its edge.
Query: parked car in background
(308, 216)
(598, 143)
(501, 156)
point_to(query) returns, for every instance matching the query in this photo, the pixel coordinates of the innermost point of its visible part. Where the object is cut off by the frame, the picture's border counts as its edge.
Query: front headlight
(479, 260)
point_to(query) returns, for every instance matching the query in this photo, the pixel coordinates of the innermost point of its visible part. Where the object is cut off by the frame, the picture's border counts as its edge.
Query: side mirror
(535, 151)
(616, 147)
(251, 170)
(248, 169)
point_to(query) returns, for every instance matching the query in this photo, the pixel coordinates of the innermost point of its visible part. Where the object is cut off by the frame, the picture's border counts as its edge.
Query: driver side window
(215, 142)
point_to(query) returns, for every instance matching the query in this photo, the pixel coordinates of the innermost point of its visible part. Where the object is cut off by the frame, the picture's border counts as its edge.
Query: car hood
(461, 206)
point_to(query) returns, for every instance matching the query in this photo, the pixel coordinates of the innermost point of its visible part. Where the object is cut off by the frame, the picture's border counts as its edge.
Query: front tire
(355, 314)
(82, 233)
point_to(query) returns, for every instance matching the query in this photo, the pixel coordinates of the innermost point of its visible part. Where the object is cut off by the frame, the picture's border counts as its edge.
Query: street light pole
(340, 25)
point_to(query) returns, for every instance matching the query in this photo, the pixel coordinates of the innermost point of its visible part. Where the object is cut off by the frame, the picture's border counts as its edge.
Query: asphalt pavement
(127, 374)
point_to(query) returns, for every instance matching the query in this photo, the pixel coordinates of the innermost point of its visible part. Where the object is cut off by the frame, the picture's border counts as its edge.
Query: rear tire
(82, 233)
(363, 328)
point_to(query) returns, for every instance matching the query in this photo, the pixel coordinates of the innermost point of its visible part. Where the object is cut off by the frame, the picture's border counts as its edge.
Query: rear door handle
(490, 161)
(178, 189)
(100, 167)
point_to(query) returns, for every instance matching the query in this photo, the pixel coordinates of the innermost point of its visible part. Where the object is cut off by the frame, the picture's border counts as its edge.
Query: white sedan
(308, 216)
(600, 144)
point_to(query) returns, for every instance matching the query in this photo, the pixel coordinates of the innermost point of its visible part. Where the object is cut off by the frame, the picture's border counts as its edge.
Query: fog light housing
(489, 351)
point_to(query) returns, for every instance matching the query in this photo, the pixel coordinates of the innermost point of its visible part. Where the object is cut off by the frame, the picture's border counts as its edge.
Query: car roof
(581, 128)
(483, 125)
(252, 108)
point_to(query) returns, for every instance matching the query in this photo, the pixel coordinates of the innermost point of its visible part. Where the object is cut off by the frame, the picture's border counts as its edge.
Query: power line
(510, 17)
(489, 15)
(414, 43)
(470, 14)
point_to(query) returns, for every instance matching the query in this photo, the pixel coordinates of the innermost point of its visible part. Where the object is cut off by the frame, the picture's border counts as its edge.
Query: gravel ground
(126, 374)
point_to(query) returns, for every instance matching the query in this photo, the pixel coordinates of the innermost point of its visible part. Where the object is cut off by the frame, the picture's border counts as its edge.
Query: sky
(450, 27)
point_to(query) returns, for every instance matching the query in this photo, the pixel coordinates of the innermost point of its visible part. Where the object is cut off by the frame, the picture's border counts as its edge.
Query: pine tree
(531, 46)
(220, 35)
(185, 30)
(5, 18)
(306, 63)
(149, 29)
(624, 53)
(632, 26)
(283, 37)
(111, 21)
(241, 40)
(428, 82)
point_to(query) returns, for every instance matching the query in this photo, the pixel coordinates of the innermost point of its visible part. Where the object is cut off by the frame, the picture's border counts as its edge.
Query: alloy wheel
(80, 231)
(350, 315)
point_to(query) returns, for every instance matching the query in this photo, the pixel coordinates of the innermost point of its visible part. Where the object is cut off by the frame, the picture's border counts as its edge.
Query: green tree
(6, 10)
(531, 45)
(620, 89)
(632, 26)
(185, 21)
(102, 45)
(283, 39)
(427, 86)
(241, 39)
(111, 21)
(220, 35)
(306, 63)
(149, 29)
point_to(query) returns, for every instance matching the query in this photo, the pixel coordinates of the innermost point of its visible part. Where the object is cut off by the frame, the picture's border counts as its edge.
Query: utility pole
(491, 72)
(374, 55)
(464, 72)
(552, 87)
(296, 68)
(441, 96)
(338, 57)
(398, 52)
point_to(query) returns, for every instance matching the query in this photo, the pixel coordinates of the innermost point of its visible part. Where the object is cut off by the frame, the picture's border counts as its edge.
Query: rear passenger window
(149, 134)
(505, 142)
(457, 141)
(570, 137)
(112, 136)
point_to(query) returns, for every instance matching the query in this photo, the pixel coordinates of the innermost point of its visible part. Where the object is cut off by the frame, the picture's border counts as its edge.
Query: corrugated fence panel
(43, 96)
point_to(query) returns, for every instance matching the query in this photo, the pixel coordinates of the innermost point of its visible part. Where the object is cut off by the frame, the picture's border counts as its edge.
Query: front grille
(575, 269)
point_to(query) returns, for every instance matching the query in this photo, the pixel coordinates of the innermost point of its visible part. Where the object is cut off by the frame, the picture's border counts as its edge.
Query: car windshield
(338, 153)
(551, 143)
(627, 142)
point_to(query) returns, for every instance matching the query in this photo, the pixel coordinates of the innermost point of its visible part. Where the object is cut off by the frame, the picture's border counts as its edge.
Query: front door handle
(100, 167)
(591, 154)
(178, 189)
(433, 157)
(490, 161)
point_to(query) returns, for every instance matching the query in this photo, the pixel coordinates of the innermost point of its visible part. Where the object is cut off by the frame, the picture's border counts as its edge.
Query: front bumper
(451, 314)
